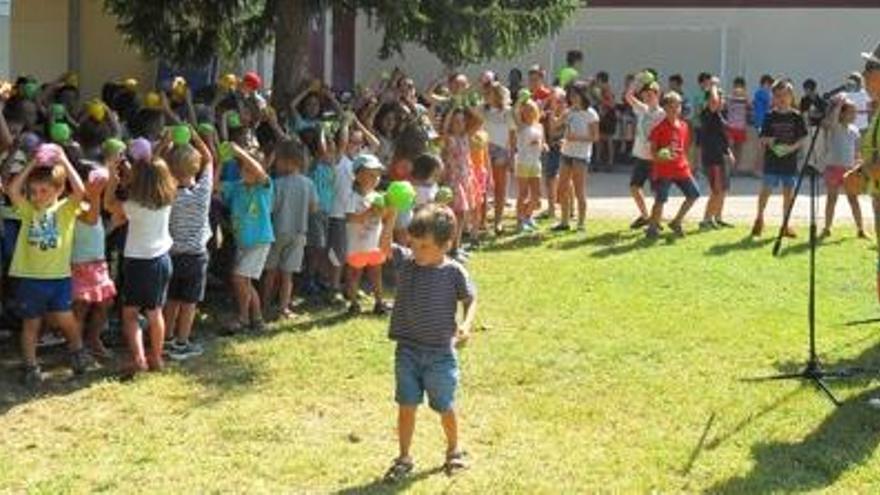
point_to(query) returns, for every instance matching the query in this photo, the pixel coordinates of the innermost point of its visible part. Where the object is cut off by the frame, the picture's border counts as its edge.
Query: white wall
(800, 43)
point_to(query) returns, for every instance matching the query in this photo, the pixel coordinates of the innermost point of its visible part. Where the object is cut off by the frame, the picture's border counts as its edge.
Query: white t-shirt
(343, 181)
(499, 123)
(645, 122)
(363, 236)
(148, 234)
(863, 108)
(425, 193)
(529, 140)
(841, 143)
(578, 123)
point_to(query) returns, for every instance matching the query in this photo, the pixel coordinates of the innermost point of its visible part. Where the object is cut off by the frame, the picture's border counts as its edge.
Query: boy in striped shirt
(423, 323)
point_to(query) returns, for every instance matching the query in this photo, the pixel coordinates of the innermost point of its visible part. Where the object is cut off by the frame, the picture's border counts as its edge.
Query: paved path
(608, 197)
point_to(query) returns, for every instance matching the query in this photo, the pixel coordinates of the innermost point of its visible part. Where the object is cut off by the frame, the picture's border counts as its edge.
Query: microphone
(843, 88)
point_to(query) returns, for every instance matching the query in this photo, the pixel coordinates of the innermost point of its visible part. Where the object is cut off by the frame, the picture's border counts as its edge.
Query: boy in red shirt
(670, 139)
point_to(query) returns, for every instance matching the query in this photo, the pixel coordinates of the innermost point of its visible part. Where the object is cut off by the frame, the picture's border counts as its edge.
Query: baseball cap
(367, 161)
(252, 81)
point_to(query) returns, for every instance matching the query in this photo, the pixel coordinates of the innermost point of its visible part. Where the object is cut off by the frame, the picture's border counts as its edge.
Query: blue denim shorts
(419, 371)
(34, 298)
(772, 181)
(687, 186)
(551, 160)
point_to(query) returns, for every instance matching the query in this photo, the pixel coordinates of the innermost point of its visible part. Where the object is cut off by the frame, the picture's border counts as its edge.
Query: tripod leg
(821, 385)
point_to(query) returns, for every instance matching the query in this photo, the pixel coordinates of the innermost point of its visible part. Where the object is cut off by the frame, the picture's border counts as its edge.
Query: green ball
(524, 95)
(60, 133)
(379, 201)
(233, 121)
(206, 129)
(58, 112)
(401, 195)
(444, 195)
(664, 154)
(778, 149)
(113, 146)
(225, 151)
(30, 90)
(180, 134)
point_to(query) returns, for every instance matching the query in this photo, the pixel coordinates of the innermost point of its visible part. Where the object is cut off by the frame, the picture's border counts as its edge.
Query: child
(715, 154)
(737, 111)
(427, 170)
(424, 326)
(646, 107)
(460, 125)
(582, 130)
(843, 138)
(250, 202)
(192, 165)
(782, 135)
(479, 147)
(501, 126)
(295, 198)
(41, 261)
(321, 172)
(530, 143)
(147, 265)
(93, 289)
(669, 144)
(364, 230)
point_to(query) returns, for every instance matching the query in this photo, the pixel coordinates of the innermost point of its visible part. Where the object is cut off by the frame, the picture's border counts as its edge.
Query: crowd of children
(123, 207)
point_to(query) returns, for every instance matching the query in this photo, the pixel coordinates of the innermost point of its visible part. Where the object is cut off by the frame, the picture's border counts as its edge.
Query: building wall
(39, 42)
(819, 43)
(104, 56)
(39, 38)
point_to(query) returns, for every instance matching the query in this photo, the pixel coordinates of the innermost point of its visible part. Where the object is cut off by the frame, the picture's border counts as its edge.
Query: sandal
(455, 463)
(399, 470)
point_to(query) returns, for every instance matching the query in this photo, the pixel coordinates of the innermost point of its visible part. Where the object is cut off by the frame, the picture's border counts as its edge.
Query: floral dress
(459, 176)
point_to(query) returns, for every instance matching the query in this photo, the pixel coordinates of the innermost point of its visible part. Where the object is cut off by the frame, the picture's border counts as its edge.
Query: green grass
(604, 364)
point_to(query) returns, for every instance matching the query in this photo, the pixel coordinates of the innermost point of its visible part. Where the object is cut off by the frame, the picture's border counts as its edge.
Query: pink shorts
(92, 283)
(364, 259)
(834, 175)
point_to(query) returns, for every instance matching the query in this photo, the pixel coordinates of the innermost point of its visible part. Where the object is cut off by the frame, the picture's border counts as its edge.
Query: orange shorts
(364, 259)
(737, 136)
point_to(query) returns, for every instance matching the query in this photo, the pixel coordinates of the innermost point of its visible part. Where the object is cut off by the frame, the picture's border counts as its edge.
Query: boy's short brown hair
(290, 149)
(55, 175)
(433, 220)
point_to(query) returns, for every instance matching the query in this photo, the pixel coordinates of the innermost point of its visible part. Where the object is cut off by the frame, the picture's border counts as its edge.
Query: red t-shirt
(541, 94)
(675, 137)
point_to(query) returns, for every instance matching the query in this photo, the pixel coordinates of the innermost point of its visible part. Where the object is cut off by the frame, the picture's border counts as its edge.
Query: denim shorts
(641, 173)
(687, 186)
(772, 181)
(420, 371)
(34, 298)
(145, 284)
(552, 159)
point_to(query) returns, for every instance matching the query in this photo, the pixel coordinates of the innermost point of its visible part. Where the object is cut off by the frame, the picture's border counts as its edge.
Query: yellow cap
(96, 110)
(130, 83)
(152, 100)
(71, 79)
(229, 81)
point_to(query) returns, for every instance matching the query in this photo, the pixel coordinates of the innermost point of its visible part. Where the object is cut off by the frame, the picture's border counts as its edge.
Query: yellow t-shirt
(45, 241)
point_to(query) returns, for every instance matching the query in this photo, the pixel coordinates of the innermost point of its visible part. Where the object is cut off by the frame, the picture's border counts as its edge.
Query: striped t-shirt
(189, 223)
(427, 300)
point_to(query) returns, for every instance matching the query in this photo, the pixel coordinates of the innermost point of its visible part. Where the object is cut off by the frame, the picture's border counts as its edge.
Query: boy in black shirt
(782, 136)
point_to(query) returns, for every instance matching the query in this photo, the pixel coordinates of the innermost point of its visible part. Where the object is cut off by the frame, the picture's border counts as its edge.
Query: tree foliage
(456, 31)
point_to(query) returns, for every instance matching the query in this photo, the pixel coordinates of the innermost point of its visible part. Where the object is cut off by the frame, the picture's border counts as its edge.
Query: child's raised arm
(16, 189)
(111, 202)
(77, 189)
(633, 100)
(249, 163)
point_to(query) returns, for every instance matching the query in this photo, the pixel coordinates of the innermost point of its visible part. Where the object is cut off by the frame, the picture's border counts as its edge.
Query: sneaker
(758, 228)
(825, 233)
(79, 361)
(676, 229)
(530, 222)
(581, 227)
(708, 224)
(354, 309)
(721, 223)
(381, 308)
(182, 351)
(560, 227)
(499, 230)
(33, 376)
(789, 232)
(652, 232)
(638, 223)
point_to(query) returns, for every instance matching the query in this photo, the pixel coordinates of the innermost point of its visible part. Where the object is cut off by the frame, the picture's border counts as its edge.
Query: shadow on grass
(608, 239)
(623, 249)
(745, 244)
(846, 438)
(513, 242)
(864, 367)
(803, 247)
(380, 486)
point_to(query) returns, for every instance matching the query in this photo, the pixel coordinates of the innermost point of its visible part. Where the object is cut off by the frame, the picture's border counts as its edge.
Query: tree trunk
(291, 66)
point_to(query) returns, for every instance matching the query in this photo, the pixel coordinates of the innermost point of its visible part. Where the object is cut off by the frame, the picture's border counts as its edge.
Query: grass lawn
(601, 364)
